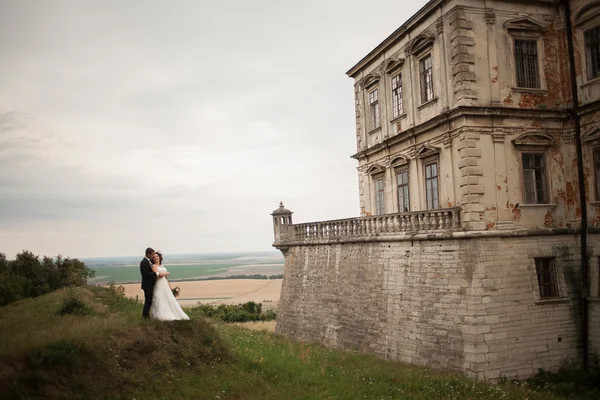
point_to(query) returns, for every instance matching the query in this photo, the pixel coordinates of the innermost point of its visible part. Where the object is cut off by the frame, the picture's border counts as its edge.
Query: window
(374, 105)
(431, 185)
(546, 277)
(597, 172)
(379, 196)
(526, 59)
(397, 104)
(534, 178)
(426, 73)
(592, 52)
(403, 193)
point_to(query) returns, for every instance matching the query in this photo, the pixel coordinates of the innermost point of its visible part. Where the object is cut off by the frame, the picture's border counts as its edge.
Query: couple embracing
(159, 301)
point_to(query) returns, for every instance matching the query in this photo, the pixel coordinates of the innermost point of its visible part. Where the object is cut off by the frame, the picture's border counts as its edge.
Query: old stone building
(471, 154)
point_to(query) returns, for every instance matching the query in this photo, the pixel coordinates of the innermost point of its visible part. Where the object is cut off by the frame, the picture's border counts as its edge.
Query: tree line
(28, 275)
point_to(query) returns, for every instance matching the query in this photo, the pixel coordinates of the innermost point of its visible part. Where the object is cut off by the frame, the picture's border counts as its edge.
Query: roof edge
(422, 13)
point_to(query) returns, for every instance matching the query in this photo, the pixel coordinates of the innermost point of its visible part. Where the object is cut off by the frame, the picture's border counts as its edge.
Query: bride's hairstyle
(160, 257)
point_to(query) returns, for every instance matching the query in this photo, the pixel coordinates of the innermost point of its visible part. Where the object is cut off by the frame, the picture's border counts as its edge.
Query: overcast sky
(177, 124)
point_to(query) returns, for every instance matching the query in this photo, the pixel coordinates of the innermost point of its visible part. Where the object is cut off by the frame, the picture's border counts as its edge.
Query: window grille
(403, 191)
(374, 104)
(526, 58)
(546, 277)
(379, 197)
(397, 103)
(426, 73)
(592, 52)
(534, 178)
(431, 186)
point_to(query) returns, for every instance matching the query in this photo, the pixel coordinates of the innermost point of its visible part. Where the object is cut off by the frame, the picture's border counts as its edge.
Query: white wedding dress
(164, 305)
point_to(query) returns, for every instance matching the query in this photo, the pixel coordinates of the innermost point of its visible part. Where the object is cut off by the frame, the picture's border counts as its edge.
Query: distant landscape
(189, 266)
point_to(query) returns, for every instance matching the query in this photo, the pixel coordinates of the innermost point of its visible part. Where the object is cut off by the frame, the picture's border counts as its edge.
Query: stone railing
(447, 219)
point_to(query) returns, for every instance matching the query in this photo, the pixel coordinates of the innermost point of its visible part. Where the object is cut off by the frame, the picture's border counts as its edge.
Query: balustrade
(447, 219)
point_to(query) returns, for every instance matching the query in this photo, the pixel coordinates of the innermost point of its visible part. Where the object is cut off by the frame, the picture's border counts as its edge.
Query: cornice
(419, 16)
(456, 113)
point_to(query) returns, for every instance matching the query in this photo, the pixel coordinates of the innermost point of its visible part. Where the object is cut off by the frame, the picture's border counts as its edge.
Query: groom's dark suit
(148, 282)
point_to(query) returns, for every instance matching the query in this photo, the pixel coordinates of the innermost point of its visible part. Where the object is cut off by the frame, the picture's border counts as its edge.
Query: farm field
(227, 291)
(189, 267)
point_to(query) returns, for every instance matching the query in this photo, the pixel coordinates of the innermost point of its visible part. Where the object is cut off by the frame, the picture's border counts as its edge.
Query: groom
(148, 280)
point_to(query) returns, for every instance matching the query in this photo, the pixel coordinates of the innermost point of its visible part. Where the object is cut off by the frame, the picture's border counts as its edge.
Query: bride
(164, 305)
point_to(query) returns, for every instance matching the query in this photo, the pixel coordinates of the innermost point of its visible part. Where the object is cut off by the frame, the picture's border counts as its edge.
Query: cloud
(124, 124)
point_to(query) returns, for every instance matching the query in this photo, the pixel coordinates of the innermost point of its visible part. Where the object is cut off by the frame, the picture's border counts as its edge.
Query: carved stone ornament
(524, 24)
(490, 17)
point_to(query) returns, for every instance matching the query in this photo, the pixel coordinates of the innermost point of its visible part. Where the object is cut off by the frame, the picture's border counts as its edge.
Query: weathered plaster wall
(466, 305)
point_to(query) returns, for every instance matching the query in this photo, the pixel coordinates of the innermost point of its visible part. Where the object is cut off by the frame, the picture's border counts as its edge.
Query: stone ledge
(560, 300)
(446, 235)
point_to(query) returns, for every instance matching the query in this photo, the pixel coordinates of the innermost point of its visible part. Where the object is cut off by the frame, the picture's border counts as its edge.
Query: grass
(112, 354)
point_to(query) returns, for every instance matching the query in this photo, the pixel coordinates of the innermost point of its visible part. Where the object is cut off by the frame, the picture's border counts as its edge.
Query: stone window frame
(371, 84)
(591, 145)
(401, 164)
(534, 143)
(586, 19)
(420, 48)
(393, 68)
(374, 109)
(554, 284)
(379, 195)
(428, 155)
(526, 28)
(377, 172)
(559, 274)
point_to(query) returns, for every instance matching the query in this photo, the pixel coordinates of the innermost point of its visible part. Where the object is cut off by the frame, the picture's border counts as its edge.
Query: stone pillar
(471, 184)
(462, 42)
(503, 212)
(490, 19)
(439, 27)
(282, 225)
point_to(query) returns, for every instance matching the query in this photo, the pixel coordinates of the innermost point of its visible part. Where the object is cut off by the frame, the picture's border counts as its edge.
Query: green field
(132, 273)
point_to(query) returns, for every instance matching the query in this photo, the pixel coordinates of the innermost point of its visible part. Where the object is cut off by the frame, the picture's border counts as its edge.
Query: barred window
(403, 191)
(431, 185)
(546, 277)
(426, 73)
(592, 52)
(397, 103)
(534, 178)
(527, 66)
(597, 172)
(379, 197)
(374, 105)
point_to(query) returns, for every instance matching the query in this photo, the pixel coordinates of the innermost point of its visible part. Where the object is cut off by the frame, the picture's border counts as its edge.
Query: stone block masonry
(470, 305)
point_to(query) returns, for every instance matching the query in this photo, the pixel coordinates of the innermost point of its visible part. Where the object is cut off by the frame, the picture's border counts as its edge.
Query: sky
(177, 125)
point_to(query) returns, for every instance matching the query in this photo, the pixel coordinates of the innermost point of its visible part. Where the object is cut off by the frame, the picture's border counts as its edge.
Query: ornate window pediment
(393, 64)
(399, 160)
(591, 136)
(534, 139)
(371, 80)
(524, 25)
(427, 151)
(588, 13)
(375, 169)
(420, 44)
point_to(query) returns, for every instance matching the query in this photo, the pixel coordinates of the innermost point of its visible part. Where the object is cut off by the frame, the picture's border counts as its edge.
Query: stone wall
(469, 305)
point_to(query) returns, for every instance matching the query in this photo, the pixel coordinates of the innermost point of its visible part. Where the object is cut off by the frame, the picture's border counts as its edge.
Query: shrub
(249, 311)
(74, 305)
(57, 353)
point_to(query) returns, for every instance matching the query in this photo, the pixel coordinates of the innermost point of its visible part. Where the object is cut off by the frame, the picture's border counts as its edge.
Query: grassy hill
(103, 350)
